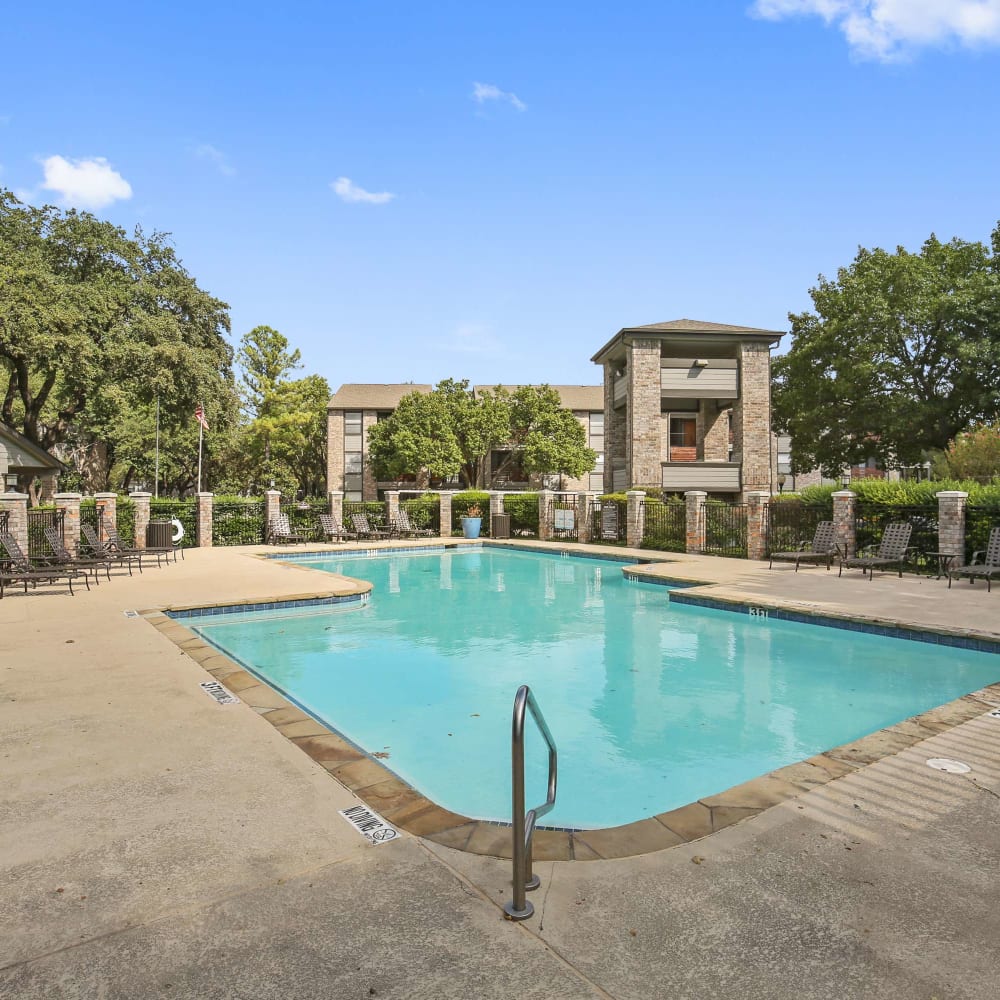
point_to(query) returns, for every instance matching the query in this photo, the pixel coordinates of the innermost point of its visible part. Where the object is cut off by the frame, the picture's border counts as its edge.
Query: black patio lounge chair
(987, 567)
(101, 550)
(61, 556)
(332, 530)
(115, 544)
(280, 531)
(405, 529)
(15, 567)
(891, 551)
(365, 530)
(822, 549)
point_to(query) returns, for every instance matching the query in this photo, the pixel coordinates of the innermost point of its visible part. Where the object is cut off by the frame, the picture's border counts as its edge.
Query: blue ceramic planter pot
(471, 526)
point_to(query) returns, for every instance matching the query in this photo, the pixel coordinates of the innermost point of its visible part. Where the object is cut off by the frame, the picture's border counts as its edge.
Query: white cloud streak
(483, 92)
(347, 190)
(90, 183)
(889, 30)
(216, 157)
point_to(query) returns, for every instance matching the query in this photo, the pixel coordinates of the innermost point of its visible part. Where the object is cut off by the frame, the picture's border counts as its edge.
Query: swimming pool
(653, 705)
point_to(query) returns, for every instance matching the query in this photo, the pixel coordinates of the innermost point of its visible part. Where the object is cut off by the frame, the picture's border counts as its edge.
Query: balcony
(713, 477)
(690, 378)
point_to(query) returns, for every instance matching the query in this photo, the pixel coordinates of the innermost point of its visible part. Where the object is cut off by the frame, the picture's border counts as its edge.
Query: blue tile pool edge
(247, 607)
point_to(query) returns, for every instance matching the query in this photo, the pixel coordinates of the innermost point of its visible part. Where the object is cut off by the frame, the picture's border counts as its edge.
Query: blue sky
(421, 191)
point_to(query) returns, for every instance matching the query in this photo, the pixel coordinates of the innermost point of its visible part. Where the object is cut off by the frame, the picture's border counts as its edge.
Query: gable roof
(20, 442)
(571, 397)
(373, 395)
(686, 328)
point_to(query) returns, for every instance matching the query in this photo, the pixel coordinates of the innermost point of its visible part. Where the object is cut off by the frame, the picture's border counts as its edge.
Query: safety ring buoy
(178, 530)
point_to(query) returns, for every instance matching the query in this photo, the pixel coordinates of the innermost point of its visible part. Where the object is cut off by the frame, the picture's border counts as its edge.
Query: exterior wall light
(700, 363)
(10, 482)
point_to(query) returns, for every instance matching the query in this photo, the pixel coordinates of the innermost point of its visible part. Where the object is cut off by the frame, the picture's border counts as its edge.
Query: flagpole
(201, 431)
(156, 475)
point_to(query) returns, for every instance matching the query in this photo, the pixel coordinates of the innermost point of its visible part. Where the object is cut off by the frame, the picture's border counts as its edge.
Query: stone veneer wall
(752, 417)
(369, 485)
(714, 438)
(614, 429)
(644, 420)
(335, 450)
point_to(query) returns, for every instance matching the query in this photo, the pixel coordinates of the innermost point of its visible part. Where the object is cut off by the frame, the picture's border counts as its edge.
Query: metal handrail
(523, 823)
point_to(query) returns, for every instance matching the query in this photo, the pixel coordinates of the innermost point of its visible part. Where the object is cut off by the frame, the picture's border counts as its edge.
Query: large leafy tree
(95, 323)
(454, 430)
(901, 354)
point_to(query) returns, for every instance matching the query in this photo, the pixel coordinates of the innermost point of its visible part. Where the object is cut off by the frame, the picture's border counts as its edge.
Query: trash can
(500, 526)
(159, 535)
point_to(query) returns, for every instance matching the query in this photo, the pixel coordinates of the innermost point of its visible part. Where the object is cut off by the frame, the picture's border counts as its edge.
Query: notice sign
(370, 825)
(609, 522)
(565, 519)
(219, 693)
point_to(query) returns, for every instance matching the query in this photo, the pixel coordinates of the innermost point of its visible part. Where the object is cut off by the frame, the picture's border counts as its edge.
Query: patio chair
(987, 567)
(822, 549)
(405, 529)
(15, 567)
(115, 544)
(62, 556)
(365, 530)
(280, 531)
(101, 550)
(891, 551)
(332, 530)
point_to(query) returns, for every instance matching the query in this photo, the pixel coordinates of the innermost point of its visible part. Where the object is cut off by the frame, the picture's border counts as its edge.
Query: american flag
(199, 415)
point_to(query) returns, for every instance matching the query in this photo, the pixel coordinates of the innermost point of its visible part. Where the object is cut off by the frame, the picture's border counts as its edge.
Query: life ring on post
(178, 530)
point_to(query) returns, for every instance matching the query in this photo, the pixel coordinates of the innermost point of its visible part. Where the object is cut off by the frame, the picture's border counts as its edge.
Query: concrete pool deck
(157, 844)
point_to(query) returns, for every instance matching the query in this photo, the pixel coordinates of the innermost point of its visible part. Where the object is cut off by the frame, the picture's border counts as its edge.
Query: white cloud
(889, 29)
(216, 157)
(347, 190)
(483, 92)
(85, 183)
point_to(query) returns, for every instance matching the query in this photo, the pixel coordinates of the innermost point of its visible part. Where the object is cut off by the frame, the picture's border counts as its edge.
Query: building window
(353, 455)
(683, 439)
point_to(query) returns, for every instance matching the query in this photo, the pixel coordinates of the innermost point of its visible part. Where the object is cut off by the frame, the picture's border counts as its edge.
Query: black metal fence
(424, 511)
(92, 515)
(184, 511)
(609, 522)
(238, 522)
(465, 505)
(372, 509)
(725, 530)
(870, 521)
(40, 518)
(523, 510)
(791, 523)
(564, 519)
(664, 526)
(303, 516)
(979, 521)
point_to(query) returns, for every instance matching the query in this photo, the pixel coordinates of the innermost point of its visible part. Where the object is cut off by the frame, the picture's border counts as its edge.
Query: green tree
(453, 430)
(900, 355)
(975, 454)
(95, 324)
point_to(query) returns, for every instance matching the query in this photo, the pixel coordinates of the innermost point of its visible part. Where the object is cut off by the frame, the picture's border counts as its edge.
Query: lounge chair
(891, 551)
(62, 556)
(989, 565)
(17, 568)
(365, 530)
(333, 530)
(280, 531)
(405, 529)
(101, 550)
(115, 544)
(823, 548)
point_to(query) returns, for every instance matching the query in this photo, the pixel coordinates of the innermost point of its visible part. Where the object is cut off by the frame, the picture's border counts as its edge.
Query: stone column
(445, 517)
(584, 520)
(47, 490)
(951, 522)
(203, 520)
(843, 522)
(546, 506)
(107, 513)
(336, 498)
(16, 505)
(695, 521)
(752, 418)
(272, 508)
(69, 504)
(758, 502)
(392, 506)
(141, 501)
(634, 518)
(644, 420)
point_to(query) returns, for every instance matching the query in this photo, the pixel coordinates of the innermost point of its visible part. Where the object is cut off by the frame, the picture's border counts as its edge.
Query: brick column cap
(139, 495)
(105, 496)
(695, 493)
(67, 496)
(205, 493)
(14, 496)
(760, 494)
(635, 493)
(335, 493)
(272, 493)
(449, 493)
(952, 493)
(844, 493)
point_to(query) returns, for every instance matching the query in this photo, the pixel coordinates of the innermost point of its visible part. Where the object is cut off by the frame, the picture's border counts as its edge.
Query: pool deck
(155, 843)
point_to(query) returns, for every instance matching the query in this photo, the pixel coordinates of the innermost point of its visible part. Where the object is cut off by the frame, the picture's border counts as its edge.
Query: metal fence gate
(664, 526)
(725, 530)
(238, 522)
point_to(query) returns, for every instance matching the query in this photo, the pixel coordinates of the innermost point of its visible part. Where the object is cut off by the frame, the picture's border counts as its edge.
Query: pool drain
(949, 765)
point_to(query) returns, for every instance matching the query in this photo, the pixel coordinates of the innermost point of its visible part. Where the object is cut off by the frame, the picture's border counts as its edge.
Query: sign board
(565, 520)
(369, 824)
(609, 522)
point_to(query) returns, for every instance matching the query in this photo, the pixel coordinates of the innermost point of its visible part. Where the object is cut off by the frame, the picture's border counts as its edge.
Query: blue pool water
(652, 705)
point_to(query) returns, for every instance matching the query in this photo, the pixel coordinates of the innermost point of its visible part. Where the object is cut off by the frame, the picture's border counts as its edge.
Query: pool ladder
(524, 879)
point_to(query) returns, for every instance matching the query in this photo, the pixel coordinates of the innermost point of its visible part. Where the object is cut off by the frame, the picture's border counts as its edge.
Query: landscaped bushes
(460, 504)
(424, 511)
(523, 510)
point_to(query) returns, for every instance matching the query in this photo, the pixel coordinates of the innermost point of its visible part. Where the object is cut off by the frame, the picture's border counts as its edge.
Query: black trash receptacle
(500, 526)
(159, 535)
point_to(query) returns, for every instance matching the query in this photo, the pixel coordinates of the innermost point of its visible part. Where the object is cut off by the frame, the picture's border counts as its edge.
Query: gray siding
(710, 476)
(713, 382)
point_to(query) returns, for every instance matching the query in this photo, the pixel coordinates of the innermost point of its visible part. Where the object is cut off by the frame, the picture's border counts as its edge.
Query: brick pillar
(546, 506)
(69, 504)
(203, 519)
(141, 502)
(695, 521)
(107, 513)
(615, 432)
(951, 522)
(644, 421)
(272, 508)
(16, 505)
(47, 490)
(635, 517)
(336, 498)
(584, 520)
(758, 502)
(752, 418)
(843, 521)
(392, 506)
(445, 529)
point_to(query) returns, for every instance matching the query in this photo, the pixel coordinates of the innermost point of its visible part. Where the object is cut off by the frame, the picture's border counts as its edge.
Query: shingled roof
(688, 327)
(373, 395)
(572, 397)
